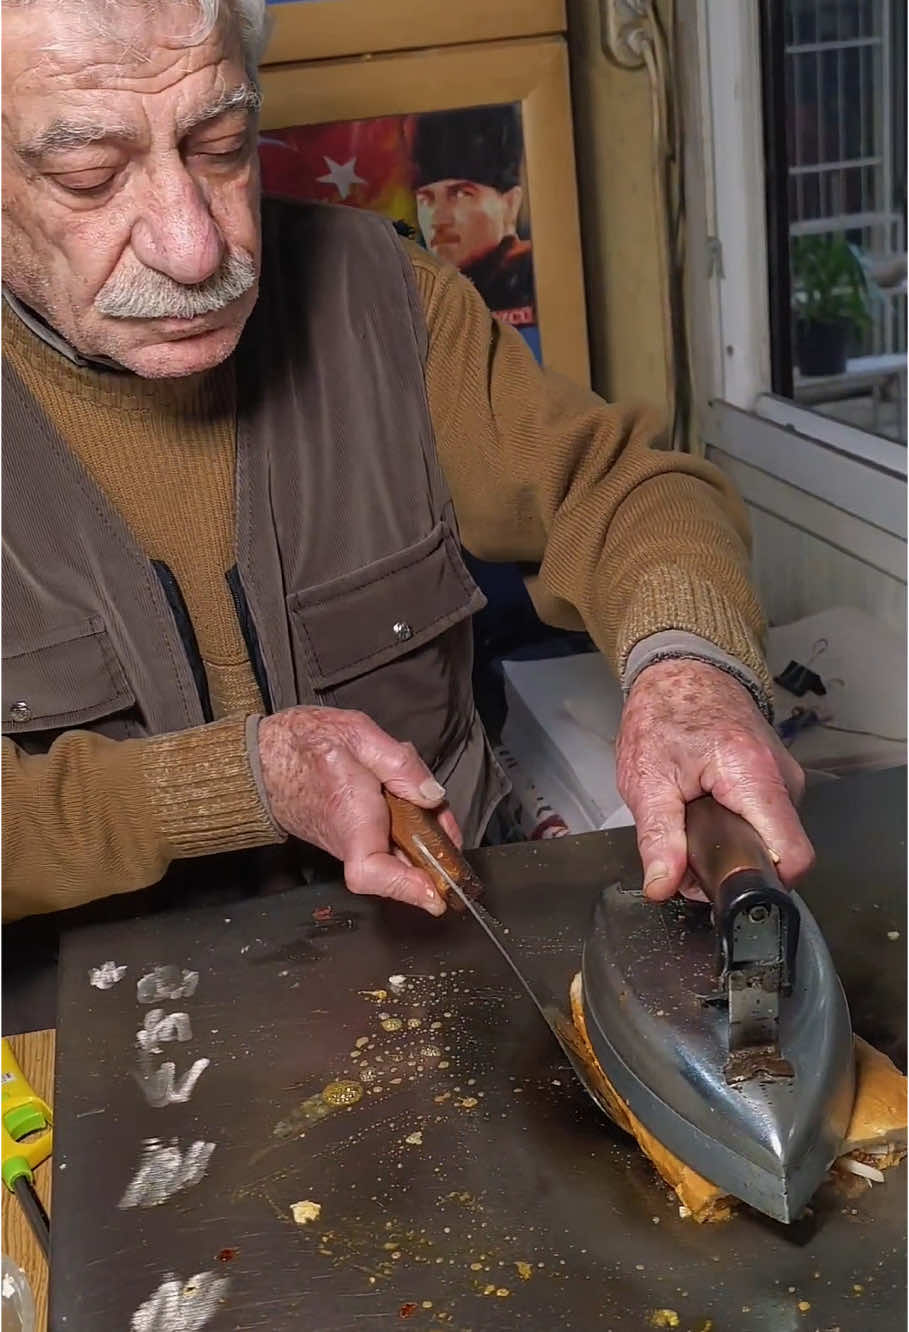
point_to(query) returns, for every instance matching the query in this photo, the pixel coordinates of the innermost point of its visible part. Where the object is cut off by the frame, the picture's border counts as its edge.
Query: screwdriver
(27, 1141)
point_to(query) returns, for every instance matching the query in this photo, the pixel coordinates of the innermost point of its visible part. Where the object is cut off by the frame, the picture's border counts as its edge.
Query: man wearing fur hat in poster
(467, 178)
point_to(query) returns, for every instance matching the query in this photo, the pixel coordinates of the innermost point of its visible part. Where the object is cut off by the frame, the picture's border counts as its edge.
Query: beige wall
(619, 217)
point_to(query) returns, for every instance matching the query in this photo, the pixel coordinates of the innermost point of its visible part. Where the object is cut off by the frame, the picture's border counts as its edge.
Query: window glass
(837, 155)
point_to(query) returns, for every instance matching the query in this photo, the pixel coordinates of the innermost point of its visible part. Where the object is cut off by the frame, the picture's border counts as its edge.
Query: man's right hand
(323, 770)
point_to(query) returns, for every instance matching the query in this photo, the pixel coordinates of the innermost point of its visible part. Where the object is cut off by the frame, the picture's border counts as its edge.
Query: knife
(424, 841)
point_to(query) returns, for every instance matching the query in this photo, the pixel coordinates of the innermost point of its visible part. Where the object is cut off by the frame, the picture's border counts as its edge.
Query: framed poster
(320, 29)
(468, 149)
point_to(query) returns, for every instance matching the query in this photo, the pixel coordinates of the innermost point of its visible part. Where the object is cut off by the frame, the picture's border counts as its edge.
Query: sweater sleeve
(95, 816)
(629, 538)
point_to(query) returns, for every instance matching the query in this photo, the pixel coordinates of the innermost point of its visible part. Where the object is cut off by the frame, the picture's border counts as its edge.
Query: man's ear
(513, 199)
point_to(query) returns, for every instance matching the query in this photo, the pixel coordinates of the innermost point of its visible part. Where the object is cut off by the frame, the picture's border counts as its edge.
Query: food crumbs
(227, 1255)
(342, 1093)
(664, 1318)
(502, 1291)
(468, 1102)
(407, 1310)
(392, 1024)
(476, 1267)
(414, 1022)
(893, 935)
(524, 1270)
(859, 1290)
(427, 1304)
(804, 1306)
(305, 1211)
(415, 1139)
(360, 1042)
(487, 1290)
(322, 913)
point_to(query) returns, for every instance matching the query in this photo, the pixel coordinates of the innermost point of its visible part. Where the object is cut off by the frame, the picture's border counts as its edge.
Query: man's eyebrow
(242, 98)
(62, 135)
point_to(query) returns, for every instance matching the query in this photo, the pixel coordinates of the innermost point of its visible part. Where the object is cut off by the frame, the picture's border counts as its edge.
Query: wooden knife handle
(409, 821)
(721, 843)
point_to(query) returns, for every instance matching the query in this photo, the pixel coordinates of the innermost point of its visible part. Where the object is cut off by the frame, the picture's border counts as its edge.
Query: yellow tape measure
(23, 1114)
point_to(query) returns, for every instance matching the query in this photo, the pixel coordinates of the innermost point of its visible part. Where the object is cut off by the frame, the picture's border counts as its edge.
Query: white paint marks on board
(165, 1170)
(160, 1027)
(106, 975)
(166, 983)
(162, 1087)
(181, 1306)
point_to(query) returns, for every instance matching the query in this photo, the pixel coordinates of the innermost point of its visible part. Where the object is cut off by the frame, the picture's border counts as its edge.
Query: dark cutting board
(472, 1186)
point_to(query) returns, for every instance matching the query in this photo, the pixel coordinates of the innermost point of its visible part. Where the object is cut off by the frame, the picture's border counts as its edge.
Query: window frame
(727, 180)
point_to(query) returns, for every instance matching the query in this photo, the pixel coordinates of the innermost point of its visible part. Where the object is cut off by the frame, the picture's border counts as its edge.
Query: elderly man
(241, 455)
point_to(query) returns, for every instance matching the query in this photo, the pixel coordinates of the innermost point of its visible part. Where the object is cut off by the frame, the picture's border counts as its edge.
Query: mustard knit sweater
(631, 540)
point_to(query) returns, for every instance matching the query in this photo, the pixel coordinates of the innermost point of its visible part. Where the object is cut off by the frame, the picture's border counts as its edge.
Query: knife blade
(556, 1020)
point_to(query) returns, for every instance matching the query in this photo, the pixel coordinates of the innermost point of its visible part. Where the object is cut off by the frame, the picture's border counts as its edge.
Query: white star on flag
(342, 175)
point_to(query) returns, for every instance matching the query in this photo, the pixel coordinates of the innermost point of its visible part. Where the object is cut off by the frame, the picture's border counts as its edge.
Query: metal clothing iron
(726, 1031)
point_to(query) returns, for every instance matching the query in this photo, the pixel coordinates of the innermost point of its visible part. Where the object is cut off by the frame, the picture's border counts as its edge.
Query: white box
(564, 712)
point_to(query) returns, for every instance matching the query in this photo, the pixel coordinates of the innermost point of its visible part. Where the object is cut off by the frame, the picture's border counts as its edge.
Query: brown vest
(349, 582)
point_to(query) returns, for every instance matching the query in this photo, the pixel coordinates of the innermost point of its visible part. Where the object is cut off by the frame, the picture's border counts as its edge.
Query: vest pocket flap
(388, 608)
(67, 678)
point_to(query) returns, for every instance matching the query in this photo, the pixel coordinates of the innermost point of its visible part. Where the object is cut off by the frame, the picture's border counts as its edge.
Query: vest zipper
(250, 636)
(187, 634)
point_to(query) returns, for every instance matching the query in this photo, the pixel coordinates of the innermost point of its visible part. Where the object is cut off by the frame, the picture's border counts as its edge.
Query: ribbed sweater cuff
(668, 598)
(203, 790)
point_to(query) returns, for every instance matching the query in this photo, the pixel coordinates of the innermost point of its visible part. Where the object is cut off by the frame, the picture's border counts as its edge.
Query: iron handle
(720, 843)
(410, 826)
(737, 874)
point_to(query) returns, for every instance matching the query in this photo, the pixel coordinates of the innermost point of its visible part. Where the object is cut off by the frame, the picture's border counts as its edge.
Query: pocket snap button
(20, 712)
(402, 631)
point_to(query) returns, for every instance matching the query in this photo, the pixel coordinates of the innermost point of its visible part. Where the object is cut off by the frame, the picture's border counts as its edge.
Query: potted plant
(830, 302)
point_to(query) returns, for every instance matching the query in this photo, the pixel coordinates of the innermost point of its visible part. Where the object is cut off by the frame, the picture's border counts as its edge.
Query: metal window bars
(845, 81)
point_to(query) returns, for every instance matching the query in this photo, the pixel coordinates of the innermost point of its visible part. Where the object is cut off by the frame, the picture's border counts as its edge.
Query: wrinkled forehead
(59, 53)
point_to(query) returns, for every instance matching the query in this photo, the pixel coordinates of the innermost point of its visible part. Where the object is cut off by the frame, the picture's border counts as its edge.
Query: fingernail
(774, 855)
(431, 790)
(656, 872)
(434, 904)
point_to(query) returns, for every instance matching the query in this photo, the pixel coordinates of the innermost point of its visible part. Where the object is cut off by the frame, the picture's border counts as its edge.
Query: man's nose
(175, 232)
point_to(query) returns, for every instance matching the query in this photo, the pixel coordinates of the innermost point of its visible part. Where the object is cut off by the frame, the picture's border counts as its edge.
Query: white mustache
(143, 293)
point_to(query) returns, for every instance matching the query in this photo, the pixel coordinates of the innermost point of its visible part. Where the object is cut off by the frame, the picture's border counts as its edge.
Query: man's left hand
(688, 730)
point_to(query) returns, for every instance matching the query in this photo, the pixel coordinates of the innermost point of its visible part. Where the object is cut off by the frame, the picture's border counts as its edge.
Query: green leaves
(828, 282)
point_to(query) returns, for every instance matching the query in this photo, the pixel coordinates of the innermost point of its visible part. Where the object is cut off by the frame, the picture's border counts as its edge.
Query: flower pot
(821, 347)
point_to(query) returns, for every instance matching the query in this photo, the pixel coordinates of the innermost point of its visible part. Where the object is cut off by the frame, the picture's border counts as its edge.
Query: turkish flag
(361, 163)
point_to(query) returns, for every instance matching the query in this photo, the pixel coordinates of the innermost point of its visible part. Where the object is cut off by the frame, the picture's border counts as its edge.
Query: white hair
(250, 18)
